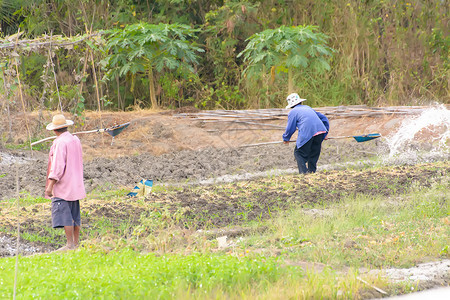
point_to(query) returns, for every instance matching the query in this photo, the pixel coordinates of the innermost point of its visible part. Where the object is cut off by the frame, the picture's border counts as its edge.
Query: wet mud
(185, 166)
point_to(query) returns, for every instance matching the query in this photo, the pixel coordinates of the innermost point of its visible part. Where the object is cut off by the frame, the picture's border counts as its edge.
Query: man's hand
(285, 142)
(49, 192)
(49, 189)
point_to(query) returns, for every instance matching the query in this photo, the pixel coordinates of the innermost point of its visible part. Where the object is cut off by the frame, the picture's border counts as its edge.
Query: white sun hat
(293, 99)
(59, 121)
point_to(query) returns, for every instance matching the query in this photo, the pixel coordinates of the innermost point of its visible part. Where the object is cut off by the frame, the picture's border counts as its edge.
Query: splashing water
(432, 127)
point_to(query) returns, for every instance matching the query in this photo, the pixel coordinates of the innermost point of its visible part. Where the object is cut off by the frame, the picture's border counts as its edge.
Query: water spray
(433, 124)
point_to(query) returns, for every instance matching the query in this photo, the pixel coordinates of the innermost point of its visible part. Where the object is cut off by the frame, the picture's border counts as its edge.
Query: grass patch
(88, 274)
(26, 145)
(368, 231)
(126, 274)
(48, 238)
(25, 200)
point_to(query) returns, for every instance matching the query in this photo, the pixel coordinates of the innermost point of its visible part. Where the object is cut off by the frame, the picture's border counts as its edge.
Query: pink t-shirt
(65, 165)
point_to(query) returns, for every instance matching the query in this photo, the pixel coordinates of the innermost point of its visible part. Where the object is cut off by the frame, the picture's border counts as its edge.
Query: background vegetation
(385, 53)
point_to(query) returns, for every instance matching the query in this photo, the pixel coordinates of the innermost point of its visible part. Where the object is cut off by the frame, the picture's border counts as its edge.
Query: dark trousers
(309, 154)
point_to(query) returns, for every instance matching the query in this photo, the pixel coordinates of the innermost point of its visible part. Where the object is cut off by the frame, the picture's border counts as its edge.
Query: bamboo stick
(54, 73)
(23, 103)
(16, 266)
(244, 122)
(237, 129)
(34, 44)
(7, 105)
(94, 72)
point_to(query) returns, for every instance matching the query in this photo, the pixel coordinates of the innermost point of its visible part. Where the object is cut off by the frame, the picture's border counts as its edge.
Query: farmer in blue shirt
(312, 128)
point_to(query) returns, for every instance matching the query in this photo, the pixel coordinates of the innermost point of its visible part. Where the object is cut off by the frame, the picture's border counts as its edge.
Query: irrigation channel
(191, 148)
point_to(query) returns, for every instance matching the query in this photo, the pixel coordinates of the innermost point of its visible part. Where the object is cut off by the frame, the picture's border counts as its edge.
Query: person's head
(293, 99)
(59, 124)
(60, 130)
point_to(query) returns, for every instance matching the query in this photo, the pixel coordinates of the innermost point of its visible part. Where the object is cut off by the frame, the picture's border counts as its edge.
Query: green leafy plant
(143, 48)
(286, 49)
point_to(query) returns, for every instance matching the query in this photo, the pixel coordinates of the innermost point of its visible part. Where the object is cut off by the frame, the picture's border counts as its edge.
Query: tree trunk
(120, 105)
(152, 88)
(83, 76)
(290, 82)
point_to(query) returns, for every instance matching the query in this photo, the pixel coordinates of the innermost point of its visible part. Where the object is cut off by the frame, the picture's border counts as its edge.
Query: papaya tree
(286, 49)
(149, 48)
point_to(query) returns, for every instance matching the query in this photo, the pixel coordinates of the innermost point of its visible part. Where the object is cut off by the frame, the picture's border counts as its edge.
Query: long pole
(54, 73)
(267, 143)
(115, 130)
(18, 232)
(6, 97)
(91, 57)
(75, 133)
(21, 96)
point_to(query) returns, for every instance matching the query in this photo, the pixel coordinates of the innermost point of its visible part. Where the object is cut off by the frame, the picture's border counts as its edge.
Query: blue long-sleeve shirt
(325, 121)
(307, 121)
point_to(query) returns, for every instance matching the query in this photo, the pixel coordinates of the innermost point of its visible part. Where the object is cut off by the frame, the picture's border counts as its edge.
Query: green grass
(53, 235)
(107, 191)
(25, 200)
(369, 231)
(26, 145)
(127, 274)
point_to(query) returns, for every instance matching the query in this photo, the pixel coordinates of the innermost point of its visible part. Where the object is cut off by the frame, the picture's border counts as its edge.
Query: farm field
(188, 100)
(228, 220)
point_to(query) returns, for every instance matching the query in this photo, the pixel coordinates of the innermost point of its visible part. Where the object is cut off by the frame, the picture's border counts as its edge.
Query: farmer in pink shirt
(65, 181)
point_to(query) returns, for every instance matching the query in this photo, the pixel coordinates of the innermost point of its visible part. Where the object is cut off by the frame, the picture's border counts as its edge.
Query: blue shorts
(65, 213)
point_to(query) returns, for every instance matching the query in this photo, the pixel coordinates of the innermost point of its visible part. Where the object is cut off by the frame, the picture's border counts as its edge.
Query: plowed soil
(185, 150)
(169, 147)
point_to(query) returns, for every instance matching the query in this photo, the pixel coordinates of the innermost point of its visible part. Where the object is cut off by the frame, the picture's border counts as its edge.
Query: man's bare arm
(49, 189)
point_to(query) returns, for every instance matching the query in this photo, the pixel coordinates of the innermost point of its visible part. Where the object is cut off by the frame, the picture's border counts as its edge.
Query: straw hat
(293, 99)
(59, 121)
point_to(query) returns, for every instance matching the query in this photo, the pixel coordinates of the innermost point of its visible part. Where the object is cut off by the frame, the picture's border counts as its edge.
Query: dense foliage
(202, 52)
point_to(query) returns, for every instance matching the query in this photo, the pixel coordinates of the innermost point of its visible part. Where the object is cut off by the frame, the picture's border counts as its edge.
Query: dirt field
(225, 206)
(190, 147)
